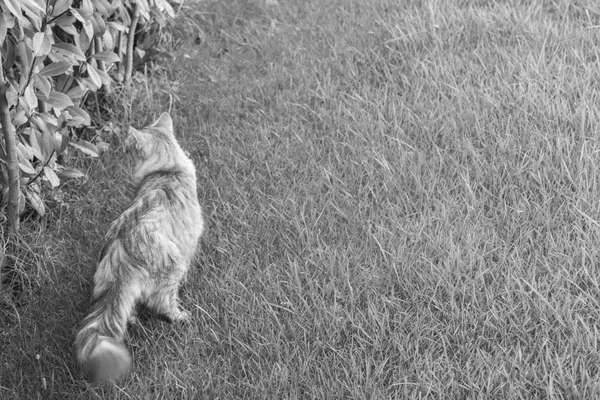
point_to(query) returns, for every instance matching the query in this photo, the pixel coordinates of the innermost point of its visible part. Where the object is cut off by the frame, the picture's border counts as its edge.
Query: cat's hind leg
(165, 301)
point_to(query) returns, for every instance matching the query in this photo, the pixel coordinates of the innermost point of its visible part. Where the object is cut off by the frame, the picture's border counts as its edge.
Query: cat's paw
(180, 316)
(133, 320)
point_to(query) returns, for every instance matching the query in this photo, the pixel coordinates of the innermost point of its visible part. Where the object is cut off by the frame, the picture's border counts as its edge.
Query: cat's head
(155, 148)
(147, 142)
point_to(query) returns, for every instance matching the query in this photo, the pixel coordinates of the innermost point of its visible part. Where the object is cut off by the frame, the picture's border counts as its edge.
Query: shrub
(54, 53)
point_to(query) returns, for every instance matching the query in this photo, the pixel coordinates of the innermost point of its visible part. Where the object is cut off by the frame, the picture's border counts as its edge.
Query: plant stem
(75, 3)
(8, 130)
(130, 39)
(101, 64)
(41, 171)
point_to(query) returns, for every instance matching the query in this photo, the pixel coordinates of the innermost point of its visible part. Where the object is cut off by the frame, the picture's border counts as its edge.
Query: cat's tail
(99, 343)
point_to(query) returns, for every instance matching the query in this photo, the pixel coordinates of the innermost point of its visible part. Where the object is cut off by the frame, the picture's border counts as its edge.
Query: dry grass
(401, 203)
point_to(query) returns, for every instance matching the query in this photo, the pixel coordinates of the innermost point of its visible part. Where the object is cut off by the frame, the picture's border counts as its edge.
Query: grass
(401, 202)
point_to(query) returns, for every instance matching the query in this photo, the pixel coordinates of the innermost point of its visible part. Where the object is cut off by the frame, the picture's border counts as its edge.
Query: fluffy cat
(147, 250)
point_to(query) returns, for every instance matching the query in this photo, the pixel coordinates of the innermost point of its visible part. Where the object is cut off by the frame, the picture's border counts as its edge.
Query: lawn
(400, 202)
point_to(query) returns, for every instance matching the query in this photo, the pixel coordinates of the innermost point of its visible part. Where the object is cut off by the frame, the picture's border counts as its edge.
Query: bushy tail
(99, 343)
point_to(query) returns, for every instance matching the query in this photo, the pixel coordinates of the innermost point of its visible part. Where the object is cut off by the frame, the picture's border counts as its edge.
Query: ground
(401, 202)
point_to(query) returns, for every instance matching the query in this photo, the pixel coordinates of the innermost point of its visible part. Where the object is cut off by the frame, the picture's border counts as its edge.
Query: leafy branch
(54, 54)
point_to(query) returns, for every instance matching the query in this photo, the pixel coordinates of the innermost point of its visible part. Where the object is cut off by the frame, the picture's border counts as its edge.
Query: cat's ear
(134, 138)
(134, 133)
(164, 122)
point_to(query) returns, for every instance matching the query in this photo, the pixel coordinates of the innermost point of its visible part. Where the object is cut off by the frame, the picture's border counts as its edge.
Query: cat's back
(165, 208)
(173, 194)
(176, 188)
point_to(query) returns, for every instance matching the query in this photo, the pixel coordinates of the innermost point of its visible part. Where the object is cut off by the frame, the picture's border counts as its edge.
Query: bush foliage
(54, 53)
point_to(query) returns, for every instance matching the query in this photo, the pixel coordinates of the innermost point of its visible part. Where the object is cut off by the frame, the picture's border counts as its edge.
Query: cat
(147, 250)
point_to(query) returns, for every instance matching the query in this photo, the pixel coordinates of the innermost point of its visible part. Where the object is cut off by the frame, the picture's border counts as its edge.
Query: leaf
(55, 69)
(86, 8)
(21, 24)
(42, 84)
(3, 27)
(34, 148)
(107, 40)
(163, 6)
(77, 92)
(46, 143)
(103, 146)
(83, 38)
(30, 98)
(35, 200)
(11, 54)
(9, 20)
(60, 142)
(59, 100)
(22, 199)
(14, 7)
(26, 167)
(55, 56)
(36, 7)
(38, 38)
(102, 7)
(63, 83)
(85, 147)
(39, 123)
(86, 84)
(25, 106)
(49, 120)
(23, 152)
(46, 45)
(88, 30)
(106, 79)
(69, 50)
(117, 26)
(34, 14)
(19, 117)
(26, 56)
(80, 117)
(38, 61)
(98, 24)
(66, 21)
(106, 56)
(60, 6)
(143, 8)
(105, 7)
(52, 177)
(70, 173)
(94, 76)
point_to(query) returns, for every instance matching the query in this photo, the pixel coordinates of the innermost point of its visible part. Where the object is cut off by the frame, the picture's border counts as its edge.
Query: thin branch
(130, 39)
(75, 3)
(8, 130)
(118, 48)
(31, 180)
(101, 64)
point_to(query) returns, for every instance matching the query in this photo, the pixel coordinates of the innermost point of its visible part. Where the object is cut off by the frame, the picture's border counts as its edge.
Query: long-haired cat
(147, 250)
